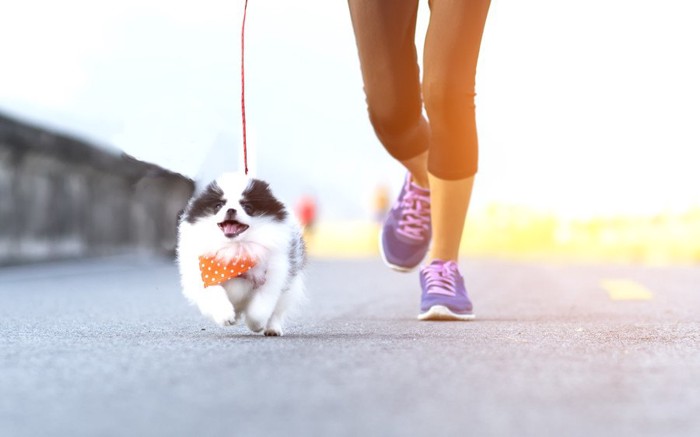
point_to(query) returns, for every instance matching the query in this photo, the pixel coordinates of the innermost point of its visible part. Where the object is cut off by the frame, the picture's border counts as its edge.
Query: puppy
(241, 254)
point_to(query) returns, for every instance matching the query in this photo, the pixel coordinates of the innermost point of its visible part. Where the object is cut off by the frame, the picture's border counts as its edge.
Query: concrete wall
(61, 197)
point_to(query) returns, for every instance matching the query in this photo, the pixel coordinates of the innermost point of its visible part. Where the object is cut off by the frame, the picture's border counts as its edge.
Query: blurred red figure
(306, 212)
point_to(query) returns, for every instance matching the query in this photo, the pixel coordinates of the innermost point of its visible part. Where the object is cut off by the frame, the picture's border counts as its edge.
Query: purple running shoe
(406, 232)
(444, 296)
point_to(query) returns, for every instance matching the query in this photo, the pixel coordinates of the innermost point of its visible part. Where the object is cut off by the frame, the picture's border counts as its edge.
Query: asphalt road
(110, 348)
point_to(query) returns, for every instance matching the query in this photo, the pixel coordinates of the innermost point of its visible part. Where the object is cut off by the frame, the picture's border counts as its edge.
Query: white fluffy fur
(265, 294)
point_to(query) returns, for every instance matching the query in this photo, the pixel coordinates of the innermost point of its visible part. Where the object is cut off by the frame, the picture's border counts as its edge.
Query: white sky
(584, 107)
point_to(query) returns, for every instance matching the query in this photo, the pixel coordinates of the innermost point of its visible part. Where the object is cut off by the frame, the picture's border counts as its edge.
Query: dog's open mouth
(232, 228)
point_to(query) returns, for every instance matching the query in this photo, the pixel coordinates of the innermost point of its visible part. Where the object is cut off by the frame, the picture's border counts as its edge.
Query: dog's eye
(218, 206)
(247, 207)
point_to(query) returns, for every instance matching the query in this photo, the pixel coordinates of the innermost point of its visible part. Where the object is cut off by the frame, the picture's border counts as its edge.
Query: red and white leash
(245, 145)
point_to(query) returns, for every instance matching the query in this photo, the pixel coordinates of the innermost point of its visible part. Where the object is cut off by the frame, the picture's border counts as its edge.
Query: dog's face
(232, 208)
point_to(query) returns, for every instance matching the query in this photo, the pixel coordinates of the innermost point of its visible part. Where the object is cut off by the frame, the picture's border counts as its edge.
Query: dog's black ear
(262, 202)
(204, 204)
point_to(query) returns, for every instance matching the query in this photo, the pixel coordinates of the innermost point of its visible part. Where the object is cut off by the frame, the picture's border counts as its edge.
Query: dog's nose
(230, 214)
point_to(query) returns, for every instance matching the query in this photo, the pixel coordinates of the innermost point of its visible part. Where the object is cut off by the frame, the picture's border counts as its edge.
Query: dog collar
(215, 272)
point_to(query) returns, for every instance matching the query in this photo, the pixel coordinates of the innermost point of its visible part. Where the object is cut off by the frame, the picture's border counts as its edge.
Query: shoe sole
(401, 269)
(442, 313)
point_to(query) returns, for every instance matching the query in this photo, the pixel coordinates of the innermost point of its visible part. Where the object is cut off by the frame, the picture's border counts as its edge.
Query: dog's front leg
(263, 302)
(214, 303)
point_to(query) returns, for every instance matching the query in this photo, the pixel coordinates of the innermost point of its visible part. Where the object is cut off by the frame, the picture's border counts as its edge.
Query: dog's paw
(217, 307)
(273, 328)
(273, 332)
(254, 325)
(224, 316)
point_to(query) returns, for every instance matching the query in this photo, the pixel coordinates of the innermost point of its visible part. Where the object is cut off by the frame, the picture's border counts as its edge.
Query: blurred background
(587, 114)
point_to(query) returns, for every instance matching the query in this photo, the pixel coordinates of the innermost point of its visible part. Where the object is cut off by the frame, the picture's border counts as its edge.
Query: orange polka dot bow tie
(215, 271)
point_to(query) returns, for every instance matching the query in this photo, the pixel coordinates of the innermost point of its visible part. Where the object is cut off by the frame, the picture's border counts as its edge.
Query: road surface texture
(110, 348)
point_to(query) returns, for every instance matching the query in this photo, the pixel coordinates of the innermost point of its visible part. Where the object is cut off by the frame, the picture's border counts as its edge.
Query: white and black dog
(236, 223)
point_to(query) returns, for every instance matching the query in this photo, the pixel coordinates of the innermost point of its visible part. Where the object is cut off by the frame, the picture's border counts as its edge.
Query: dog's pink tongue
(230, 228)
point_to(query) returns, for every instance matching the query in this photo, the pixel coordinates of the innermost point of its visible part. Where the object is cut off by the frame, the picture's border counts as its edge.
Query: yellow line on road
(624, 289)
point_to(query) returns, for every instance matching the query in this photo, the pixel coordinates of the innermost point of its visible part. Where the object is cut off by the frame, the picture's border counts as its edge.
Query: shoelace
(415, 217)
(439, 278)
